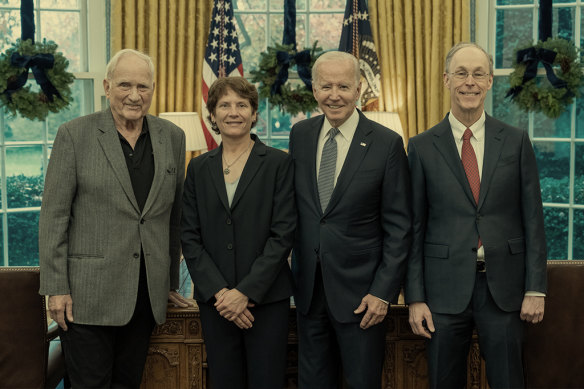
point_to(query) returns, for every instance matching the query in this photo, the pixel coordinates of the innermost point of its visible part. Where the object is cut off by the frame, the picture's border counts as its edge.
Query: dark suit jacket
(447, 223)
(363, 237)
(245, 246)
(91, 229)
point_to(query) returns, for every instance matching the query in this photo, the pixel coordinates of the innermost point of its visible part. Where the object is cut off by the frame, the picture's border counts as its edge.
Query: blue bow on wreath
(531, 57)
(302, 58)
(38, 63)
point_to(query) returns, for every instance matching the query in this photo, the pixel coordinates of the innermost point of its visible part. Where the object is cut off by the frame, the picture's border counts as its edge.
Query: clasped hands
(234, 306)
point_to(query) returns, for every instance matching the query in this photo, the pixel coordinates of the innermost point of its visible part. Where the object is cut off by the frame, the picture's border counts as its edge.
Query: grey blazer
(91, 230)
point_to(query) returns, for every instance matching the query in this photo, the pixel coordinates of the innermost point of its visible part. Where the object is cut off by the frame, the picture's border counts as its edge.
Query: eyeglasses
(463, 75)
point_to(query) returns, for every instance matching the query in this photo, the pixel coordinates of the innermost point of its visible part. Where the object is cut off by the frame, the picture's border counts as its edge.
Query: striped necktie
(326, 171)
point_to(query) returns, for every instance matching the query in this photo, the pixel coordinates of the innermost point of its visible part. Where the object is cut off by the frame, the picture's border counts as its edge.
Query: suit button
(322, 222)
(141, 221)
(228, 221)
(479, 216)
(136, 255)
(229, 246)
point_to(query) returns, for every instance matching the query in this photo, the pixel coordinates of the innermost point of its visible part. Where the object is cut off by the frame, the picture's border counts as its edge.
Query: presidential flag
(222, 59)
(356, 38)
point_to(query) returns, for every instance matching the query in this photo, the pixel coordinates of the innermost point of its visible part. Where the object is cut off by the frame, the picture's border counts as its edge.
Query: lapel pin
(363, 144)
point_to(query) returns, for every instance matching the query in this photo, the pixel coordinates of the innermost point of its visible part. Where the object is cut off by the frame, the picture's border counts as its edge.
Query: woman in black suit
(237, 230)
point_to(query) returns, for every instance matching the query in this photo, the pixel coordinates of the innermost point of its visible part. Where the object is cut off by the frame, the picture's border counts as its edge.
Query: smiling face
(467, 97)
(130, 89)
(336, 90)
(233, 115)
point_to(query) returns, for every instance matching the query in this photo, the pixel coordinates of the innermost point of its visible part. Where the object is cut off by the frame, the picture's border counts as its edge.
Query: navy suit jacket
(447, 223)
(362, 238)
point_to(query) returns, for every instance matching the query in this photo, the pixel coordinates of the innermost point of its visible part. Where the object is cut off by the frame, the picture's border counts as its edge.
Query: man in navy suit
(478, 257)
(353, 236)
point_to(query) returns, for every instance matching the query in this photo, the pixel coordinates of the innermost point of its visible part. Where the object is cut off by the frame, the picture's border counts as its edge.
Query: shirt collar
(347, 129)
(477, 128)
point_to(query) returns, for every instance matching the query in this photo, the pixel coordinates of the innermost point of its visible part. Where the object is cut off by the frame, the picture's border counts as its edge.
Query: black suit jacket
(362, 238)
(447, 223)
(245, 246)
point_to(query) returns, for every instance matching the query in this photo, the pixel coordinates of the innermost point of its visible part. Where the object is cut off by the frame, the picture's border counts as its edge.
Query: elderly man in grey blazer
(109, 240)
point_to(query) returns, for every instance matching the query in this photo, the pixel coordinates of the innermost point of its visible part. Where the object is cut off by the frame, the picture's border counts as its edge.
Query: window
(261, 24)
(558, 144)
(25, 145)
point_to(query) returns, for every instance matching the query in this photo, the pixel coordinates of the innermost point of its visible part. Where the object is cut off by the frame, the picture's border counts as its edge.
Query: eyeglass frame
(477, 77)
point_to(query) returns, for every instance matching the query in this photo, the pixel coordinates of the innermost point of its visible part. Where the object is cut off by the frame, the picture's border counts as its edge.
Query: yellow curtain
(174, 33)
(412, 39)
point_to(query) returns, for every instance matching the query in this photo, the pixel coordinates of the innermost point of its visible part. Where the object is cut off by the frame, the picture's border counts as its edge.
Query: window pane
(553, 162)
(326, 28)
(327, 4)
(563, 23)
(578, 242)
(556, 232)
(82, 104)
(252, 40)
(9, 28)
(580, 112)
(249, 5)
(503, 108)
(514, 2)
(261, 128)
(1, 240)
(60, 4)
(579, 177)
(23, 237)
(281, 122)
(24, 178)
(10, 3)
(17, 128)
(514, 29)
(281, 144)
(63, 29)
(561, 127)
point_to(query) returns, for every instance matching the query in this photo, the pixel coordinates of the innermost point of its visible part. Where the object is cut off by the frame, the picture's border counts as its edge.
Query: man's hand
(376, 311)
(233, 305)
(178, 300)
(59, 306)
(532, 309)
(421, 320)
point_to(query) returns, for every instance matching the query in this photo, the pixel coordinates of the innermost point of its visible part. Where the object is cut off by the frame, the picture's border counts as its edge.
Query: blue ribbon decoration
(38, 63)
(302, 58)
(531, 57)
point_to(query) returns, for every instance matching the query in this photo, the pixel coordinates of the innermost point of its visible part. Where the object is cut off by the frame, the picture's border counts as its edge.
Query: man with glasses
(478, 257)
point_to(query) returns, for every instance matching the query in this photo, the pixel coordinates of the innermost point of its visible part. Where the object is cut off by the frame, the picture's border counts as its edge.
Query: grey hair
(331, 56)
(113, 63)
(462, 45)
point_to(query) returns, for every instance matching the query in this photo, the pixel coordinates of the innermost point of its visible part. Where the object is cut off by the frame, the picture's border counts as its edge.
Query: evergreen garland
(538, 94)
(35, 105)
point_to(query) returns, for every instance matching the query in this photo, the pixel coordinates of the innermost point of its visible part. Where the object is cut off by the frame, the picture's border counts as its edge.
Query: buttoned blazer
(363, 236)
(91, 230)
(245, 245)
(447, 222)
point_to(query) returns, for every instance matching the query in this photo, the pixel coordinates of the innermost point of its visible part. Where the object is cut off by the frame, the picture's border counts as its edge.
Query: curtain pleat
(412, 39)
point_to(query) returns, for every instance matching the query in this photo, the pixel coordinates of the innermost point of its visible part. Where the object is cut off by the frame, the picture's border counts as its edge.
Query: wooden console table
(177, 359)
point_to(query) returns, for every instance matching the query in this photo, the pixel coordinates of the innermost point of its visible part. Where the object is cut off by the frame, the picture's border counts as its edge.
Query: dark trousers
(254, 358)
(110, 356)
(324, 345)
(500, 341)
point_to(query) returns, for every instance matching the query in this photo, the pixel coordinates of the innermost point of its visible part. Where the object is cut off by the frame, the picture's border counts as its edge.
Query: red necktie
(471, 167)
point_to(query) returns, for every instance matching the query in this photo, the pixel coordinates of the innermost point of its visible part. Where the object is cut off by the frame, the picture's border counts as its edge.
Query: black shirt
(140, 162)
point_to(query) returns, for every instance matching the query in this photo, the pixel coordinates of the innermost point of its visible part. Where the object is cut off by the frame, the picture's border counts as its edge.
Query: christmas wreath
(49, 68)
(554, 93)
(272, 76)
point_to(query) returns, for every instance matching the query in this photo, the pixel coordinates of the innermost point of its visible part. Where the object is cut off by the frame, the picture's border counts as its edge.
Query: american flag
(222, 59)
(357, 39)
